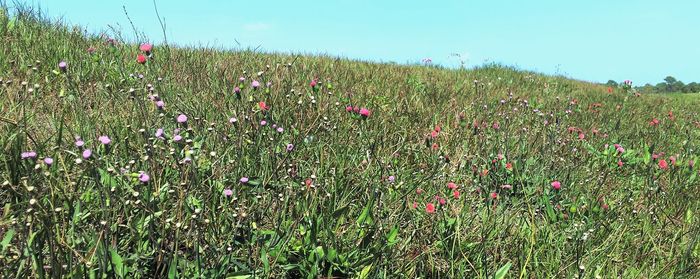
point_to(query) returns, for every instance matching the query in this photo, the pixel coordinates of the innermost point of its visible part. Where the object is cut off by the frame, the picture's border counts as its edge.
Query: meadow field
(132, 160)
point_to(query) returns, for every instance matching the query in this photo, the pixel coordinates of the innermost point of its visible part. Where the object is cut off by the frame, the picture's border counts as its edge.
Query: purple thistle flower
(28, 154)
(237, 90)
(104, 140)
(63, 66)
(244, 180)
(228, 192)
(263, 123)
(241, 79)
(290, 147)
(143, 177)
(177, 138)
(48, 161)
(280, 129)
(160, 104)
(255, 84)
(79, 142)
(159, 133)
(87, 153)
(232, 120)
(392, 179)
(181, 118)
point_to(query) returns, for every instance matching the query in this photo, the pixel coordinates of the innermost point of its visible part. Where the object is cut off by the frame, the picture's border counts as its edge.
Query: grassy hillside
(116, 168)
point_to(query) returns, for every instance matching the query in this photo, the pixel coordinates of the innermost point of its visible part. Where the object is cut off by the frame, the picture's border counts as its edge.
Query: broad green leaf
(501, 273)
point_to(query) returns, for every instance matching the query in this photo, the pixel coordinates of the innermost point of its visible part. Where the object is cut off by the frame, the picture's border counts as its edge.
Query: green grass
(327, 208)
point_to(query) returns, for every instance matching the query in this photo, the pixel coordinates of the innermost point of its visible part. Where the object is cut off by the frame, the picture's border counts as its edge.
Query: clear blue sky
(593, 40)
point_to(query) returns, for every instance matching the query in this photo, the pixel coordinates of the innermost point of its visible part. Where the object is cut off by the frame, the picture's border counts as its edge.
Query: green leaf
(501, 273)
(6, 239)
(172, 270)
(391, 237)
(119, 267)
(365, 272)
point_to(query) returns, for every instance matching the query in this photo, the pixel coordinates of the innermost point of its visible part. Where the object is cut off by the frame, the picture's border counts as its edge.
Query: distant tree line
(669, 85)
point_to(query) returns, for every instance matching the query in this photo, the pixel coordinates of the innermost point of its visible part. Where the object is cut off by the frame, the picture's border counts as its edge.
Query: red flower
(654, 122)
(662, 164)
(141, 59)
(434, 134)
(430, 208)
(494, 195)
(263, 106)
(455, 194)
(509, 166)
(610, 89)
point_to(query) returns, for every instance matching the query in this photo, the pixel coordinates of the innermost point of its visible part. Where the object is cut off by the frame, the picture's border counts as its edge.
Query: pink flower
(581, 136)
(494, 195)
(348, 108)
(455, 194)
(365, 112)
(146, 47)
(255, 84)
(662, 164)
(442, 201)
(556, 185)
(507, 186)
(451, 185)
(430, 208)
(313, 83)
(620, 163)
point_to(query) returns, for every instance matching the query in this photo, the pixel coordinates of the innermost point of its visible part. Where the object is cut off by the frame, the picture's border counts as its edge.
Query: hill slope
(161, 169)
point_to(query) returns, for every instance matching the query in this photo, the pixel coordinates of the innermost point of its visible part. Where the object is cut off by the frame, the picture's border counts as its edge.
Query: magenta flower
(143, 177)
(181, 118)
(365, 112)
(263, 123)
(348, 108)
(280, 129)
(556, 185)
(87, 153)
(228, 192)
(255, 84)
(104, 140)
